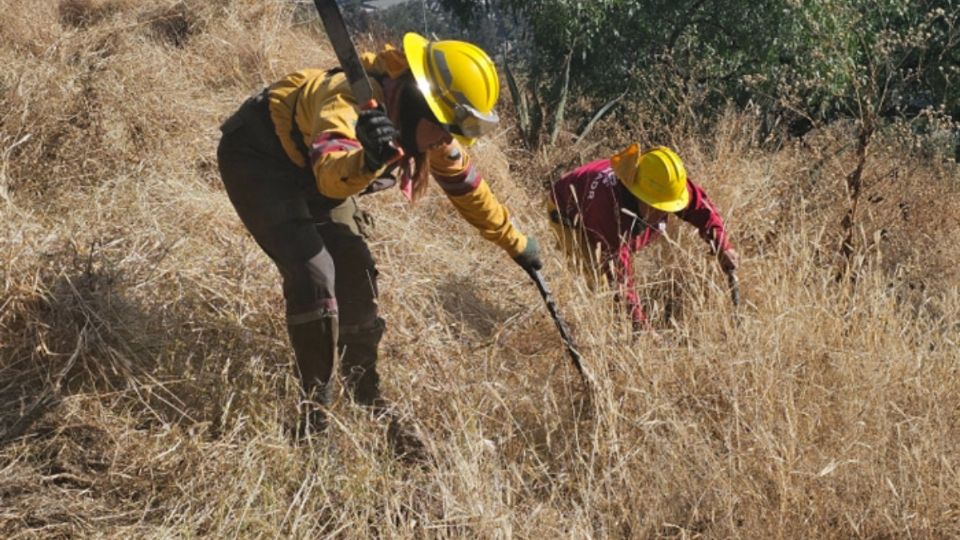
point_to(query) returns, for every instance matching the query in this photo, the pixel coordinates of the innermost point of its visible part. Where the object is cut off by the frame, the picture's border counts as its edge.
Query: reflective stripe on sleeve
(326, 143)
(460, 184)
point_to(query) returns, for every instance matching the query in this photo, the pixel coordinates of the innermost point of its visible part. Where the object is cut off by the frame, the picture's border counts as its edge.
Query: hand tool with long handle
(734, 284)
(349, 59)
(561, 324)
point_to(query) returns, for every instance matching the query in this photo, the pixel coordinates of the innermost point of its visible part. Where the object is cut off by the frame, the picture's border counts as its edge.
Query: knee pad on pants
(310, 285)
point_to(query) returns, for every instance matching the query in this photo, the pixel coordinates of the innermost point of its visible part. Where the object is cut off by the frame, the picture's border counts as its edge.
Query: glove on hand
(529, 259)
(376, 134)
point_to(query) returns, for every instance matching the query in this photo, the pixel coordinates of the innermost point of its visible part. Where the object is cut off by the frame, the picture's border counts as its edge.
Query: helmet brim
(671, 206)
(415, 49)
(625, 165)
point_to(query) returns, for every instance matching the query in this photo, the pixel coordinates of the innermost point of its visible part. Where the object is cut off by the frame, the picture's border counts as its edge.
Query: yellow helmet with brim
(656, 177)
(458, 81)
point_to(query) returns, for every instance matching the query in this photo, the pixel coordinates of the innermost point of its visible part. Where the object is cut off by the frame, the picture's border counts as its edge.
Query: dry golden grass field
(146, 383)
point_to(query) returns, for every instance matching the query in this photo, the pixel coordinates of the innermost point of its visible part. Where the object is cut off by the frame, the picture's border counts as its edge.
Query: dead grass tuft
(146, 386)
(172, 25)
(84, 13)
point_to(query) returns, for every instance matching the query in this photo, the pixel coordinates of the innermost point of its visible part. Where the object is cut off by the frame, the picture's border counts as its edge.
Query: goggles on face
(471, 123)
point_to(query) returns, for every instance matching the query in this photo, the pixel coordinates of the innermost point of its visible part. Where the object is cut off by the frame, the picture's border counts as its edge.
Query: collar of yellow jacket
(390, 62)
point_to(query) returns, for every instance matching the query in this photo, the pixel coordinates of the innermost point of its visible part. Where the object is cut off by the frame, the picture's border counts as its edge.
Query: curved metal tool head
(343, 47)
(561, 326)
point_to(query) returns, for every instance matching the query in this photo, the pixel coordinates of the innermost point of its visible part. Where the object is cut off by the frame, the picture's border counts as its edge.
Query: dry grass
(145, 381)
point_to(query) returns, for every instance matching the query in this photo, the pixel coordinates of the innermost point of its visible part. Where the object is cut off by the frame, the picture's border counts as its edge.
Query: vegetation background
(146, 386)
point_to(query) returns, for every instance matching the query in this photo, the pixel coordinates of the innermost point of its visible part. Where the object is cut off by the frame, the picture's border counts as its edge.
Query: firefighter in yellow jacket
(294, 157)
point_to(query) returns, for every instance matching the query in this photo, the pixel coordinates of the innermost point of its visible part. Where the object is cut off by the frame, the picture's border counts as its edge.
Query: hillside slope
(146, 382)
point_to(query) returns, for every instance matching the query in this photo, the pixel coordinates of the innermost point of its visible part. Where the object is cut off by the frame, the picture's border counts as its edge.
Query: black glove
(377, 135)
(529, 259)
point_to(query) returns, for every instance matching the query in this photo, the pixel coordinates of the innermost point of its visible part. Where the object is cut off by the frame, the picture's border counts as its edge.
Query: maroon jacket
(591, 196)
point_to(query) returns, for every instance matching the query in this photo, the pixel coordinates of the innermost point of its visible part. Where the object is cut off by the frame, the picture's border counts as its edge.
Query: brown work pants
(279, 204)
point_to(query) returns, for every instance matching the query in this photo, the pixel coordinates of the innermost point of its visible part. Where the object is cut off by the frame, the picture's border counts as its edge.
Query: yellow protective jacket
(326, 115)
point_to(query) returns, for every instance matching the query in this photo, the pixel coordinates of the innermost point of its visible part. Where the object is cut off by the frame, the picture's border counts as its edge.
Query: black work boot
(358, 364)
(358, 367)
(315, 348)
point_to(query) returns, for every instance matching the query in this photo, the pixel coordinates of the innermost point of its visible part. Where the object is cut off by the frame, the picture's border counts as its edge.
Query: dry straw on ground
(146, 384)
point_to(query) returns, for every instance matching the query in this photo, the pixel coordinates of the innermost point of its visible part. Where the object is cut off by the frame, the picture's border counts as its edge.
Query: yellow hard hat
(459, 82)
(656, 177)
